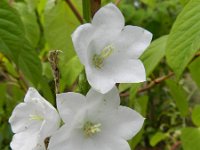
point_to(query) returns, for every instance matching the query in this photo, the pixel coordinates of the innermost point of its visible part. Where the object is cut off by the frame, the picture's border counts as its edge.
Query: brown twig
(53, 59)
(75, 11)
(151, 84)
(176, 145)
(117, 2)
(95, 5)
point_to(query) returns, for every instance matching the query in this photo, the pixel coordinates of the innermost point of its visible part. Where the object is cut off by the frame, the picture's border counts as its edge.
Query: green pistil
(90, 129)
(99, 58)
(36, 117)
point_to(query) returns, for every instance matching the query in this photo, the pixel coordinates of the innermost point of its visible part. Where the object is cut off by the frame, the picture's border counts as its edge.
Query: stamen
(36, 117)
(91, 129)
(99, 58)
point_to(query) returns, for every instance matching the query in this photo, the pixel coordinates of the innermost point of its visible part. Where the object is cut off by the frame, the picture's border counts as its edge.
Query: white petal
(27, 141)
(109, 17)
(117, 143)
(81, 39)
(100, 81)
(128, 122)
(69, 104)
(20, 119)
(125, 71)
(32, 95)
(133, 41)
(111, 100)
(35, 106)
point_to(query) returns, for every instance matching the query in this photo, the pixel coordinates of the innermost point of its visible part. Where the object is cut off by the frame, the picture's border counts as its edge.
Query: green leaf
(140, 104)
(179, 96)
(195, 71)
(184, 41)
(154, 54)
(190, 138)
(14, 44)
(156, 138)
(11, 31)
(59, 23)
(70, 72)
(30, 64)
(196, 115)
(29, 20)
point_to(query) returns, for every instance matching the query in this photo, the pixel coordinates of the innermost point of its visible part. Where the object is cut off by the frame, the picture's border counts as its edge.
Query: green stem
(86, 10)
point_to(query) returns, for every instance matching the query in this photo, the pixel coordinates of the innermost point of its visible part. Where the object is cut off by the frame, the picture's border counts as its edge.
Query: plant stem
(75, 11)
(95, 5)
(86, 10)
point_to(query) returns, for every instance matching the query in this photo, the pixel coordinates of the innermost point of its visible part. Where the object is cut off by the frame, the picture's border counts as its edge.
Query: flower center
(36, 117)
(90, 129)
(99, 58)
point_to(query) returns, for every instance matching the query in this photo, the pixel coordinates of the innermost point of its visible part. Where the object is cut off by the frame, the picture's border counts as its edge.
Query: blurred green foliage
(29, 29)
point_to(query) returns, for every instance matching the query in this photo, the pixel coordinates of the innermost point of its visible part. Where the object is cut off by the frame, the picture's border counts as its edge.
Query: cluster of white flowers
(109, 51)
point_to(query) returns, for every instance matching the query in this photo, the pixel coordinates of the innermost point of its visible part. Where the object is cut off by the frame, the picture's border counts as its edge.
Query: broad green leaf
(190, 138)
(156, 138)
(196, 115)
(11, 31)
(70, 72)
(195, 71)
(179, 96)
(30, 64)
(29, 20)
(184, 41)
(59, 23)
(14, 45)
(154, 54)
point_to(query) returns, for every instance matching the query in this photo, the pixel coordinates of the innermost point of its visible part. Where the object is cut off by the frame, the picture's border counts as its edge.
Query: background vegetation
(169, 100)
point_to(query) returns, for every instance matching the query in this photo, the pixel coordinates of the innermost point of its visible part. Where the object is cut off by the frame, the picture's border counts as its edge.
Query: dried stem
(75, 11)
(53, 59)
(117, 2)
(95, 5)
(176, 145)
(150, 85)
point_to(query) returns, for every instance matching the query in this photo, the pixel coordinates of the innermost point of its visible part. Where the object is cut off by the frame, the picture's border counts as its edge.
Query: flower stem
(75, 11)
(86, 10)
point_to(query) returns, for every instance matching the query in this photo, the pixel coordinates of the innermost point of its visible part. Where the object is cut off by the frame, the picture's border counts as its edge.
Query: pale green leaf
(59, 23)
(196, 115)
(195, 71)
(190, 138)
(157, 137)
(183, 41)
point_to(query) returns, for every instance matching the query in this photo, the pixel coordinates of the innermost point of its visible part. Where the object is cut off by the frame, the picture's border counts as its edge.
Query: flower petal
(109, 17)
(133, 41)
(125, 71)
(128, 122)
(26, 141)
(20, 118)
(81, 39)
(99, 80)
(109, 100)
(69, 104)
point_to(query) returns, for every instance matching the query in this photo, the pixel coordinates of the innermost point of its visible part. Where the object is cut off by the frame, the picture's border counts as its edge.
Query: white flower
(94, 122)
(32, 122)
(109, 50)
